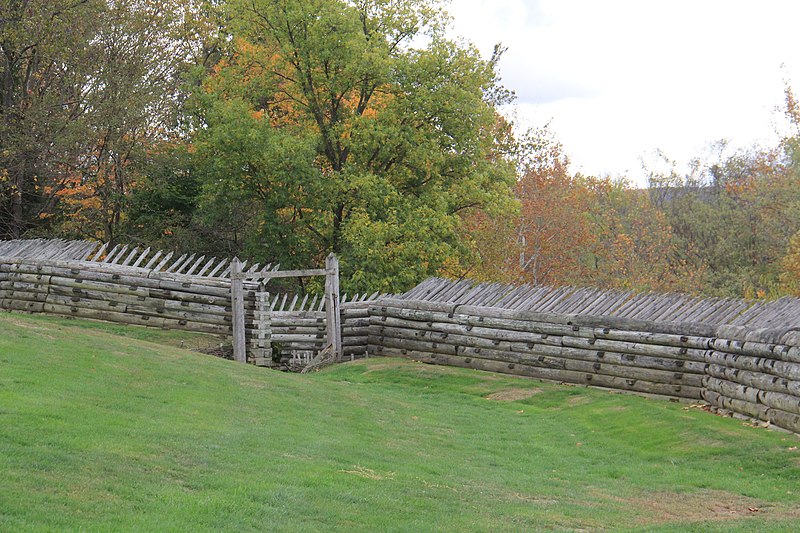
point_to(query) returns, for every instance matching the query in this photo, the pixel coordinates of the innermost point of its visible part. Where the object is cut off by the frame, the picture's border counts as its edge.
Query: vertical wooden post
(332, 305)
(237, 311)
(262, 343)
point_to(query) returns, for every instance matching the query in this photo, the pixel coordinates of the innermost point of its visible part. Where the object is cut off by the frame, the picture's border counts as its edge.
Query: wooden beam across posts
(237, 309)
(331, 299)
(266, 276)
(332, 305)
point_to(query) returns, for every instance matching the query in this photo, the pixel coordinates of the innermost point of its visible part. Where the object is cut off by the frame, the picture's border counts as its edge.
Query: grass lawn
(109, 428)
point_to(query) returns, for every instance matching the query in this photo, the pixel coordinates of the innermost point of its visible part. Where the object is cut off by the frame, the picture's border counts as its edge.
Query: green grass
(108, 428)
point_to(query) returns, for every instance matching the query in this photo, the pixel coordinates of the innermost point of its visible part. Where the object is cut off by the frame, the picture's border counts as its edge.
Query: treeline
(729, 228)
(284, 130)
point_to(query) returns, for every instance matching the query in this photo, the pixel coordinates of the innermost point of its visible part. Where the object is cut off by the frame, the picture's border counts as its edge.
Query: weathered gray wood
(551, 374)
(621, 365)
(757, 380)
(142, 257)
(237, 306)
(280, 274)
(780, 369)
(263, 333)
(332, 315)
(757, 349)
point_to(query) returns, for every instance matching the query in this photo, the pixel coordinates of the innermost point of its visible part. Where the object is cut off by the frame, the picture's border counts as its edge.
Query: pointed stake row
(53, 249)
(160, 261)
(675, 308)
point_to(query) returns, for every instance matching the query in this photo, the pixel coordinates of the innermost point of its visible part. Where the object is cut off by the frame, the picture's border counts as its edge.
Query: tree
(554, 230)
(333, 133)
(143, 51)
(733, 215)
(43, 82)
(636, 248)
(87, 87)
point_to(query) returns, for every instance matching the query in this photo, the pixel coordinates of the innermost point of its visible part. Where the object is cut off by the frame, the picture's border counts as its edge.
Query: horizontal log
(356, 322)
(125, 318)
(355, 332)
(731, 389)
(449, 328)
(550, 374)
(117, 287)
(347, 311)
(21, 305)
(23, 296)
(179, 314)
(546, 347)
(355, 341)
(517, 323)
(755, 349)
(646, 337)
(651, 350)
(778, 417)
(691, 329)
(756, 380)
(781, 369)
(358, 351)
(11, 279)
(381, 313)
(90, 268)
(777, 400)
(291, 338)
(513, 336)
(125, 277)
(283, 321)
(292, 330)
(753, 410)
(783, 419)
(141, 299)
(297, 315)
(546, 356)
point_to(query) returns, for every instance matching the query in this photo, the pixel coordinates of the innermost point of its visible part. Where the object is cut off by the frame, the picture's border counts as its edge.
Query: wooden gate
(333, 351)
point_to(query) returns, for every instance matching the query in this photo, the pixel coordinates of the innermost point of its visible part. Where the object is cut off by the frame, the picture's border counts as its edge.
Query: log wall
(738, 356)
(740, 370)
(147, 297)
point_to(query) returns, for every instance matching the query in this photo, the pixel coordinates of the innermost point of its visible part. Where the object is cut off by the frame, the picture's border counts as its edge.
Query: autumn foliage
(287, 130)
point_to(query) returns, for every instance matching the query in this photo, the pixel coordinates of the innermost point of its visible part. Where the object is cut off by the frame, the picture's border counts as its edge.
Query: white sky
(617, 79)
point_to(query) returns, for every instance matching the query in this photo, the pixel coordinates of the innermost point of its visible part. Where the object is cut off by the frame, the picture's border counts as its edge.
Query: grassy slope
(105, 432)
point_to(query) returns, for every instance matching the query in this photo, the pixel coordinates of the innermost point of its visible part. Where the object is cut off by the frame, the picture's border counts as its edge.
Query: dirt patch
(368, 473)
(373, 366)
(513, 395)
(576, 400)
(703, 506)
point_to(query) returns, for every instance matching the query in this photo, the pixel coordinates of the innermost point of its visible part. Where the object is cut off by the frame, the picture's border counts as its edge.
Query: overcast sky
(617, 79)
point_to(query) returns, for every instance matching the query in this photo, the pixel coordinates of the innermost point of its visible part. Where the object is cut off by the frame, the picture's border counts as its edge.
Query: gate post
(332, 305)
(262, 332)
(237, 312)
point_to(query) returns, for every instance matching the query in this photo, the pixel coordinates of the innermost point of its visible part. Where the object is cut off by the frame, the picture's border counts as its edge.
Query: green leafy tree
(329, 130)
